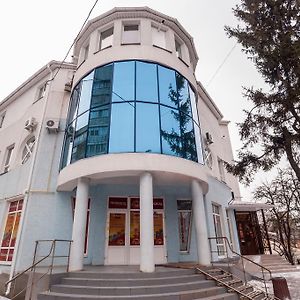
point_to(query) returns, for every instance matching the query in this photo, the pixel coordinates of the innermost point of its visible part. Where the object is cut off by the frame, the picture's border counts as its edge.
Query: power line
(221, 65)
(70, 48)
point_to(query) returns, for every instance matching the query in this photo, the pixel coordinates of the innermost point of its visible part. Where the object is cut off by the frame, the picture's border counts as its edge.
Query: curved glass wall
(132, 106)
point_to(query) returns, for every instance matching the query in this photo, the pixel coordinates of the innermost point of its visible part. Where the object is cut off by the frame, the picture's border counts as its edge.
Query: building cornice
(34, 79)
(134, 13)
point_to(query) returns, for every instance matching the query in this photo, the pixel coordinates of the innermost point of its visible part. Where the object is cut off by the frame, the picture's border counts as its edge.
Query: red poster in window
(13, 206)
(115, 202)
(116, 229)
(158, 229)
(8, 230)
(15, 231)
(3, 254)
(134, 228)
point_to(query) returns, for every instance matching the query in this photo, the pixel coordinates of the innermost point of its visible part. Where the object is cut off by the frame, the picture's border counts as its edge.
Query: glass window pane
(123, 84)
(167, 87)
(188, 138)
(147, 128)
(74, 103)
(146, 82)
(121, 137)
(198, 143)
(170, 131)
(79, 146)
(183, 95)
(85, 94)
(98, 131)
(101, 92)
(194, 105)
(106, 38)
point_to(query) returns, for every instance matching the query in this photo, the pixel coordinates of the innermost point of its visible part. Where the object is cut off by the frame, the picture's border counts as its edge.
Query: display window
(10, 232)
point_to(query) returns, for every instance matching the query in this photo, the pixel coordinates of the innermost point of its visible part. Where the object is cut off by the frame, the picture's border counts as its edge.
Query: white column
(146, 224)
(79, 225)
(200, 224)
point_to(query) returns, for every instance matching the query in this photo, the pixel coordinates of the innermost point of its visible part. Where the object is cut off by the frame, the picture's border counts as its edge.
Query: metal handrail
(240, 255)
(227, 244)
(34, 264)
(223, 283)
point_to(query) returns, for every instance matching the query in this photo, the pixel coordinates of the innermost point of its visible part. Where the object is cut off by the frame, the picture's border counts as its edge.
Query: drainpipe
(27, 191)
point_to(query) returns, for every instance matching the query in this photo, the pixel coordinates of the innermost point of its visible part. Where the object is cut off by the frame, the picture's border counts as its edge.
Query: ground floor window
(184, 209)
(11, 230)
(218, 229)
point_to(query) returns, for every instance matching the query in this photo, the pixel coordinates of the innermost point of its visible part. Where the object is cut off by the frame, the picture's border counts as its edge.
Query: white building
(127, 131)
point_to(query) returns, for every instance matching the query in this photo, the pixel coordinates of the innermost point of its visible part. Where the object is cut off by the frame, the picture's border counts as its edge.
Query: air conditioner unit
(209, 138)
(30, 124)
(52, 125)
(68, 86)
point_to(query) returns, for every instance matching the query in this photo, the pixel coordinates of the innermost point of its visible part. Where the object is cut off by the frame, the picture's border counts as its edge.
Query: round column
(200, 224)
(79, 225)
(146, 224)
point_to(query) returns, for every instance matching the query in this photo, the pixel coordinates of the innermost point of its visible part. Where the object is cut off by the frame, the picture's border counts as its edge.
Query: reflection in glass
(123, 83)
(112, 111)
(147, 128)
(101, 93)
(85, 95)
(146, 82)
(98, 131)
(121, 137)
(170, 131)
(183, 95)
(167, 87)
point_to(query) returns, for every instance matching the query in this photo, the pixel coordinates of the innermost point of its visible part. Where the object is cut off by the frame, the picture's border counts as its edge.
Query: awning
(249, 206)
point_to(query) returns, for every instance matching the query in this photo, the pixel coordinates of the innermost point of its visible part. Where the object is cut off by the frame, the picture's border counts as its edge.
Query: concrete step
(202, 294)
(137, 290)
(125, 275)
(226, 296)
(131, 282)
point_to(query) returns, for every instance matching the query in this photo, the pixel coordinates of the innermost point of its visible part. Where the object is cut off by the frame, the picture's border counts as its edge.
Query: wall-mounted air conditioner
(52, 125)
(30, 124)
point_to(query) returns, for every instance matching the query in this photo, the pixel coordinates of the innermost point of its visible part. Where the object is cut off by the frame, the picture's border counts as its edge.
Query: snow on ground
(293, 281)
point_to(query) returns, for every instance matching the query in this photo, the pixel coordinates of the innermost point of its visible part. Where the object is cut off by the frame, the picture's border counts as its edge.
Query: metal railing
(243, 258)
(32, 268)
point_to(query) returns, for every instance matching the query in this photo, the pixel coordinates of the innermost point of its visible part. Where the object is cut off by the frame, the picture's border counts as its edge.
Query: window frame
(2, 117)
(29, 146)
(100, 48)
(159, 28)
(10, 248)
(7, 158)
(126, 41)
(178, 51)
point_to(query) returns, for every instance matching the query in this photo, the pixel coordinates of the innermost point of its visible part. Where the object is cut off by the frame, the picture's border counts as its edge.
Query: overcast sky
(33, 32)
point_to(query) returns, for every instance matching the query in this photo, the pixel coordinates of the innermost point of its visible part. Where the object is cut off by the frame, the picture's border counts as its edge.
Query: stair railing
(35, 263)
(243, 258)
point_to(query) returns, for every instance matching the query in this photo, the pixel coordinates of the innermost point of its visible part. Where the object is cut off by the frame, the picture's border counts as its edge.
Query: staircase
(274, 262)
(231, 282)
(164, 284)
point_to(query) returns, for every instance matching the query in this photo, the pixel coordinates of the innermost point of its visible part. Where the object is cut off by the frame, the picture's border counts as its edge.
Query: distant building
(122, 152)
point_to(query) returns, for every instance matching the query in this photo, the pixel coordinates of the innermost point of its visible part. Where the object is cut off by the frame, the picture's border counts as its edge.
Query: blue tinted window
(167, 87)
(183, 95)
(101, 92)
(85, 95)
(97, 142)
(146, 82)
(73, 111)
(121, 138)
(79, 145)
(147, 128)
(170, 131)
(123, 83)
(188, 138)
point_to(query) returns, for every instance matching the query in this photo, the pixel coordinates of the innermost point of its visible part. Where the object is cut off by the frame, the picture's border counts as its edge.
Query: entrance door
(123, 231)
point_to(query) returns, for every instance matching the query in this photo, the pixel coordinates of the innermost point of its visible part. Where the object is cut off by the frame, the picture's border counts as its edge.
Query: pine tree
(269, 33)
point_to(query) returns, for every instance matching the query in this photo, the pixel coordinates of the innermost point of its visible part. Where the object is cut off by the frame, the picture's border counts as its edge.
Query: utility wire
(221, 65)
(70, 48)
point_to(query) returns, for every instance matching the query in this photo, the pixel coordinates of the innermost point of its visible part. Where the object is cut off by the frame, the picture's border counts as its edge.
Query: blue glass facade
(132, 106)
